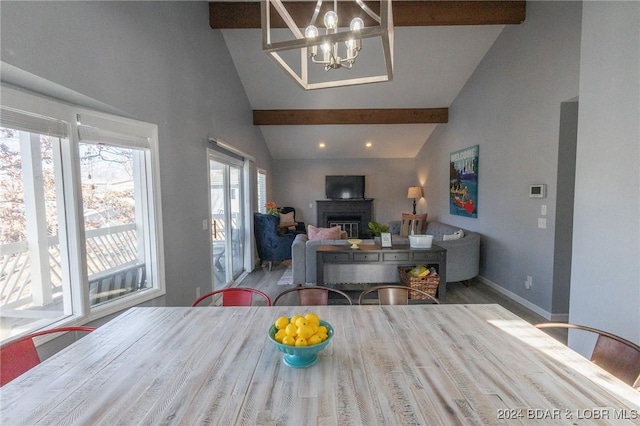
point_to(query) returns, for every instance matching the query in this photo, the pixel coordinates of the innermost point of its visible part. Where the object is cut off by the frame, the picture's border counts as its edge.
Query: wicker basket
(428, 284)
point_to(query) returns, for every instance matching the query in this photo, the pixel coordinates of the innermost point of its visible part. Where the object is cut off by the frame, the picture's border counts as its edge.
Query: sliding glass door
(227, 225)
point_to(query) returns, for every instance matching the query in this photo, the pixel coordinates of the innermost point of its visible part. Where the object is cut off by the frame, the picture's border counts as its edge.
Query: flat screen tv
(344, 187)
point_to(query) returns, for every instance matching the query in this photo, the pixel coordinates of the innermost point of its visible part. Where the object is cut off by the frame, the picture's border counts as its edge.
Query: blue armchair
(270, 244)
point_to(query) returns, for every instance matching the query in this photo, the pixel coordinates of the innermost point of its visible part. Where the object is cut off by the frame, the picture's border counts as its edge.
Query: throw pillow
(455, 236)
(332, 233)
(287, 218)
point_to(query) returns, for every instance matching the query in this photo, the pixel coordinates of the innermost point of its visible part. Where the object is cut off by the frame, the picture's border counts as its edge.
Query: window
(227, 213)
(262, 190)
(79, 225)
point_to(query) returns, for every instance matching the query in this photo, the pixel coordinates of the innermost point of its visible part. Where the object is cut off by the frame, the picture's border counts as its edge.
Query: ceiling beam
(295, 117)
(246, 14)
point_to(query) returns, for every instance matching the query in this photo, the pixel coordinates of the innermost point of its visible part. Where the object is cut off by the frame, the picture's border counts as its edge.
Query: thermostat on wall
(537, 191)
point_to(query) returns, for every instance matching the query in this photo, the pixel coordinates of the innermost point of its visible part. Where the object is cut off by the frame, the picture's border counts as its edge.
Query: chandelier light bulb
(326, 48)
(356, 24)
(331, 20)
(311, 31)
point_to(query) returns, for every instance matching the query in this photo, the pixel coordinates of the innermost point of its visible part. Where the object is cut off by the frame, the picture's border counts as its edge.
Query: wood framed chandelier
(329, 37)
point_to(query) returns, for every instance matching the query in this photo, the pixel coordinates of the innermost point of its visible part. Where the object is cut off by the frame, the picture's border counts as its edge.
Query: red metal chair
(237, 296)
(20, 356)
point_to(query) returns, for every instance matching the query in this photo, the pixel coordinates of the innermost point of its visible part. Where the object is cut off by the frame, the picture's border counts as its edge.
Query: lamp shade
(414, 192)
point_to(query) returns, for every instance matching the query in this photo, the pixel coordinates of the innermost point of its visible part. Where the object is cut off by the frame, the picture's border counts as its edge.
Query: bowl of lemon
(300, 338)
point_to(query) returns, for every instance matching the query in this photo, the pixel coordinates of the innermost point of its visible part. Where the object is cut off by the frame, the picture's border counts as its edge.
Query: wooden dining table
(385, 365)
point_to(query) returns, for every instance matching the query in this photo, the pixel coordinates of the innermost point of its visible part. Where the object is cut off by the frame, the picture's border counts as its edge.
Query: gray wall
(300, 183)
(158, 62)
(510, 107)
(605, 275)
(562, 249)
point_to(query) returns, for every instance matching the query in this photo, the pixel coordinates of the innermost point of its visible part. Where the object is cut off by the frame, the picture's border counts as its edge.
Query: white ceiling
(431, 66)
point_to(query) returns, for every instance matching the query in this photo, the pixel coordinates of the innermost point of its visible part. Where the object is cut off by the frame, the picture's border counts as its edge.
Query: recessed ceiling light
(368, 144)
(321, 145)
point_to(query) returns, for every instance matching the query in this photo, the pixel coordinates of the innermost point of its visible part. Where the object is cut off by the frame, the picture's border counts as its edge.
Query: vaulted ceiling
(438, 45)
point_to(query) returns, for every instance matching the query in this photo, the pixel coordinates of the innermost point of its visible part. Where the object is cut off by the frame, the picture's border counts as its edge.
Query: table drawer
(366, 257)
(336, 257)
(390, 257)
(424, 255)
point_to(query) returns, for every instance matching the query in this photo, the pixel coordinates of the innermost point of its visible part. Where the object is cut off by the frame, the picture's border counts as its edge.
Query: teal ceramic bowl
(301, 356)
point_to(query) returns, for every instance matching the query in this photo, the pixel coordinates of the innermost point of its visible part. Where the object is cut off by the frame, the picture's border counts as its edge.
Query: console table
(374, 253)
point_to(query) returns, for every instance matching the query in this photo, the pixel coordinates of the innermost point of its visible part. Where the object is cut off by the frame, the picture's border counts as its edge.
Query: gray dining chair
(312, 295)
(618, 356)
(396, 295)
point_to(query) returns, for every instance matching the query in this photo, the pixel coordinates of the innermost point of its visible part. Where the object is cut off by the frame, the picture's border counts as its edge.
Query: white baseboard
(524, 302)
(239, 280)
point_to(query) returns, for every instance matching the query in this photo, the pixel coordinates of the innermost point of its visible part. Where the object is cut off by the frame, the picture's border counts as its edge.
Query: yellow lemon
(295, 318)
(291, 330)
(322, 329)
(289, 340)
(314, 340)
(279, 335)
(312, 318)
(322, 336)
(301, 342)
(314, 327)
(305, 331)
(300, 322)
(281, 323)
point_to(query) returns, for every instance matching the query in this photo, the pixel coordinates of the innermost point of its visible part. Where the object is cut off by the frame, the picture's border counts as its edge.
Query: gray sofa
(463, 258)
(463, 255)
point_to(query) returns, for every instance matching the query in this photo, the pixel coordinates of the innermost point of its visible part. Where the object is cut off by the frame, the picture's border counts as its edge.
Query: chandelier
(332, 47)
(330, 50)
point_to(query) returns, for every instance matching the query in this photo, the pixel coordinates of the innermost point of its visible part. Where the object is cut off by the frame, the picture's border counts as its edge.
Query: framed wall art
(463, 182)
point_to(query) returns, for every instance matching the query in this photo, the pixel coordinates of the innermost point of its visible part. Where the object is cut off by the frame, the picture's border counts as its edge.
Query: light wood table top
(392, 365)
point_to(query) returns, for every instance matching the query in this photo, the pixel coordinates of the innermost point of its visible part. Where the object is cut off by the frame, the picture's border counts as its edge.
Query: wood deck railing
(111, 252)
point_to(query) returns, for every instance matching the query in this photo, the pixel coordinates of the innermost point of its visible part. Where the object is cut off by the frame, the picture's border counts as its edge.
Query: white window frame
(82, 312)
(261, 173)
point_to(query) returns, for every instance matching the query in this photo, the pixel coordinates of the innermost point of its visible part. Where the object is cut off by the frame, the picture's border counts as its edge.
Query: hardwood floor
(476, 293)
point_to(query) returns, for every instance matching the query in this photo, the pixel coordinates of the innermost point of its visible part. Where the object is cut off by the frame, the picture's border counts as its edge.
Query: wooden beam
(295, 117)
(246, 14)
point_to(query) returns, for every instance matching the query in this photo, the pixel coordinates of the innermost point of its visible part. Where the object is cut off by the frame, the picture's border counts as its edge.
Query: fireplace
(353, 216)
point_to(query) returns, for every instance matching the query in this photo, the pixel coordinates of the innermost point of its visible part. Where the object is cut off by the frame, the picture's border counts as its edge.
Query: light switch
(542, 222)
(205, 225)
(543, 210)
(310, 205)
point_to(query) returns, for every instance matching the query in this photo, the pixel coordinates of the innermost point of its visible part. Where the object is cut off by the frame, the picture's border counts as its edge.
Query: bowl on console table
(420, 241)
(354, 242)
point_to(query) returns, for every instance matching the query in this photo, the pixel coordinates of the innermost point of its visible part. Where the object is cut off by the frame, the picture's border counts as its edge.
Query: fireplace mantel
(353, 215)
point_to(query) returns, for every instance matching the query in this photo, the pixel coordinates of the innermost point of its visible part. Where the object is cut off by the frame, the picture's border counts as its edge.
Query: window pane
(218, 223)
(113, 197)
(237, 224)
(31, 254)
(262, 191)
